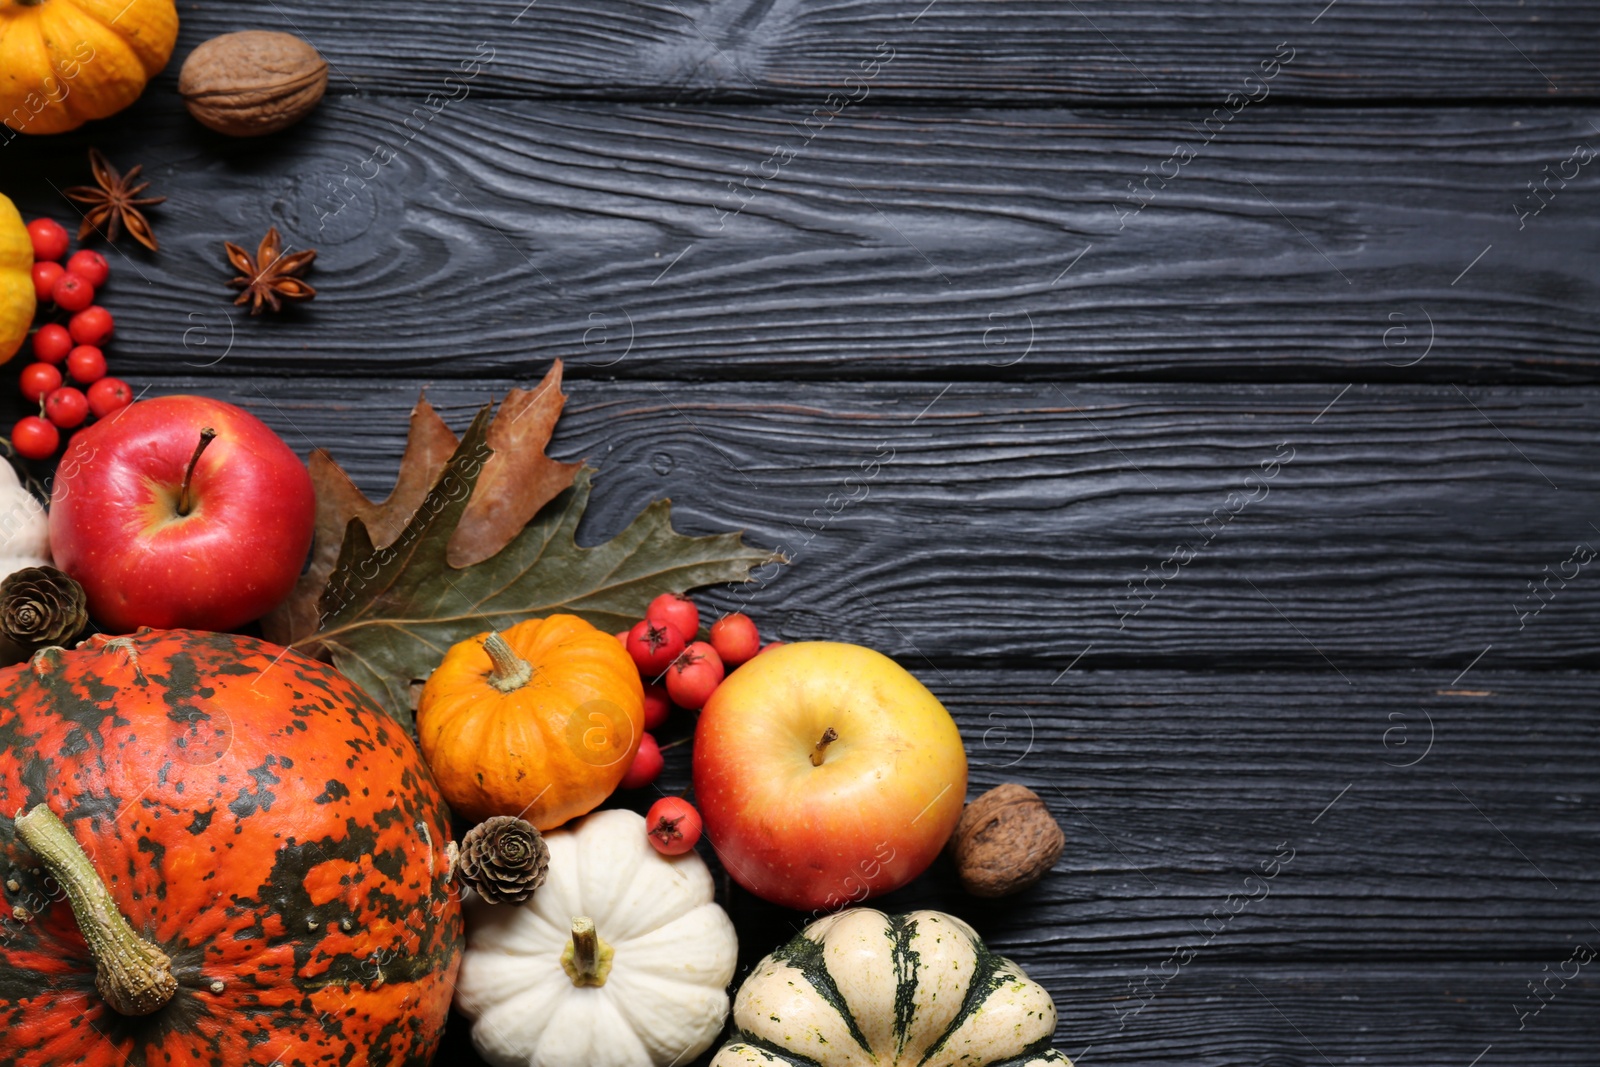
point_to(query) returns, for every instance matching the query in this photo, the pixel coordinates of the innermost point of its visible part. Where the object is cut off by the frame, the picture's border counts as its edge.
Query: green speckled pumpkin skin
(254, 815)
(915, 990)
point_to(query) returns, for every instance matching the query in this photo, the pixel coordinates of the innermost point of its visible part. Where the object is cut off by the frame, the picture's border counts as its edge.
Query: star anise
(114, 202)
(270, 278)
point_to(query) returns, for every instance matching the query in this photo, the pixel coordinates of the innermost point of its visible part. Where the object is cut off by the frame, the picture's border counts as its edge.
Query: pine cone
(41, 606)
(504, 859)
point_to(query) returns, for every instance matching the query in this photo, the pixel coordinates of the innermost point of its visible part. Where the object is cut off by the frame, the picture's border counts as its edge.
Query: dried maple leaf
(271, 277)
(114, 202)
(389, 613)
(516, 482)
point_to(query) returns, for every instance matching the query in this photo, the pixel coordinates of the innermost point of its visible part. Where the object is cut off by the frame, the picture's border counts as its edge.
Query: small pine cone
(504, 859)
(41, 606)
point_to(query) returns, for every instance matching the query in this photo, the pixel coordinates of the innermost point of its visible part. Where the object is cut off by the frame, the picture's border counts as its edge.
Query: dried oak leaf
(516, 482)
(428, 447)
(388, 613)
(519, 478)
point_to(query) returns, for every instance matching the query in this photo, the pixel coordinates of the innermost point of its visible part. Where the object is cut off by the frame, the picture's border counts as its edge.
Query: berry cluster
(77, 345)
(677, 669)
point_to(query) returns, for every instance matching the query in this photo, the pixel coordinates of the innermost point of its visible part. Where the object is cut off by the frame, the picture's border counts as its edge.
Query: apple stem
(829, 736)
(185, 503)
(511, 672)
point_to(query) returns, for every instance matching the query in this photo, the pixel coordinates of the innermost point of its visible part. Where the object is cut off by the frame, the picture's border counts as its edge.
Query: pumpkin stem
(132, 975)
(511, 672)
(185, 503)
(829, 736)
(587, 959)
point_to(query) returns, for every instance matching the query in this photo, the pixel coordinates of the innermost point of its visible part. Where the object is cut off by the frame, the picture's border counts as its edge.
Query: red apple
(826, 774)
(167, 527)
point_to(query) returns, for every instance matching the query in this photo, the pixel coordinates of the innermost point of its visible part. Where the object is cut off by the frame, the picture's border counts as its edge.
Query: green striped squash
(916, 990)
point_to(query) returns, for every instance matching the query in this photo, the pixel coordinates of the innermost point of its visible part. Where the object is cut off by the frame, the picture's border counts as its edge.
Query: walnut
(252, 83)
(1005, 841)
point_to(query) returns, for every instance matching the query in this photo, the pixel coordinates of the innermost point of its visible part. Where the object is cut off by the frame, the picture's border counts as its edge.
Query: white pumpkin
(862, 987)
(646, 985)
(24, 525)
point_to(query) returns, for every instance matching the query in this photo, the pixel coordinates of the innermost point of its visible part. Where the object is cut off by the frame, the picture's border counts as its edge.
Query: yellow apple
(826, 774)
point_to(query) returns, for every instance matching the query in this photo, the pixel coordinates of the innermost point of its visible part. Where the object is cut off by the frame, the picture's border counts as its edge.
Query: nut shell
(252, 83)
(1005, 842)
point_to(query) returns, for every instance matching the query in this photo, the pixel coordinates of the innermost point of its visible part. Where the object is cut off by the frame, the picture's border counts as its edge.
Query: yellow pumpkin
(64, 62)
(540, 721)
(17, 302)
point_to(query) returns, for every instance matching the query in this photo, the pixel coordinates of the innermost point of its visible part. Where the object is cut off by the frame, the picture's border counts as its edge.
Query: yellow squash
(64, 62)
(17, 301)
(539, 721)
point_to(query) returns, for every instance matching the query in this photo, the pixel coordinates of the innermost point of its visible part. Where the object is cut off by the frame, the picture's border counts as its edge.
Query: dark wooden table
(1233, 371)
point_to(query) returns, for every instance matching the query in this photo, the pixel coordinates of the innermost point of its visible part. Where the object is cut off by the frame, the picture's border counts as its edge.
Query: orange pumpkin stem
(133, 976)
(829, 736)
(185, 502)
(511, 672)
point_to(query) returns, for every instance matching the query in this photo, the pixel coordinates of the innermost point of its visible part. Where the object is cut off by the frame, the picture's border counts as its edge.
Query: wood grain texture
(1428, 830)
(1417, 821)
(987, 352)
(951, 50)
(1323, 245)
(1296, 1015)
(1400, 526)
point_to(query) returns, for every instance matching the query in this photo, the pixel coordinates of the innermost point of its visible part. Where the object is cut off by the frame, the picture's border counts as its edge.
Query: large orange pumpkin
(262, 827)
(64, 62)
(540, 721)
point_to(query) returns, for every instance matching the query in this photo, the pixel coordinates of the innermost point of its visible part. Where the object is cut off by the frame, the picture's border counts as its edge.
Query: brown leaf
(519, 478)
(428, 448)
(390, 614)
(516, 482)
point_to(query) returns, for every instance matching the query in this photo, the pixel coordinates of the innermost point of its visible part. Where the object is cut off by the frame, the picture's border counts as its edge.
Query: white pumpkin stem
(587, 958)
(133, 976)
(511, 672)
(829, 736)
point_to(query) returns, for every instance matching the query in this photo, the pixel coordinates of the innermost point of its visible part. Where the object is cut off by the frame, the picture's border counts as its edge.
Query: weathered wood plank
(1396, 818)
(1325, 245)
(1299, 1015)
(1326, 530)
(948, 50)
(1224, 829)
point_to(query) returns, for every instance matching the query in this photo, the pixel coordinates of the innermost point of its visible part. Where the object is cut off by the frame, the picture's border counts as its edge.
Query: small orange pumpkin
(17, 301)
(64, 62)
(540, 721)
